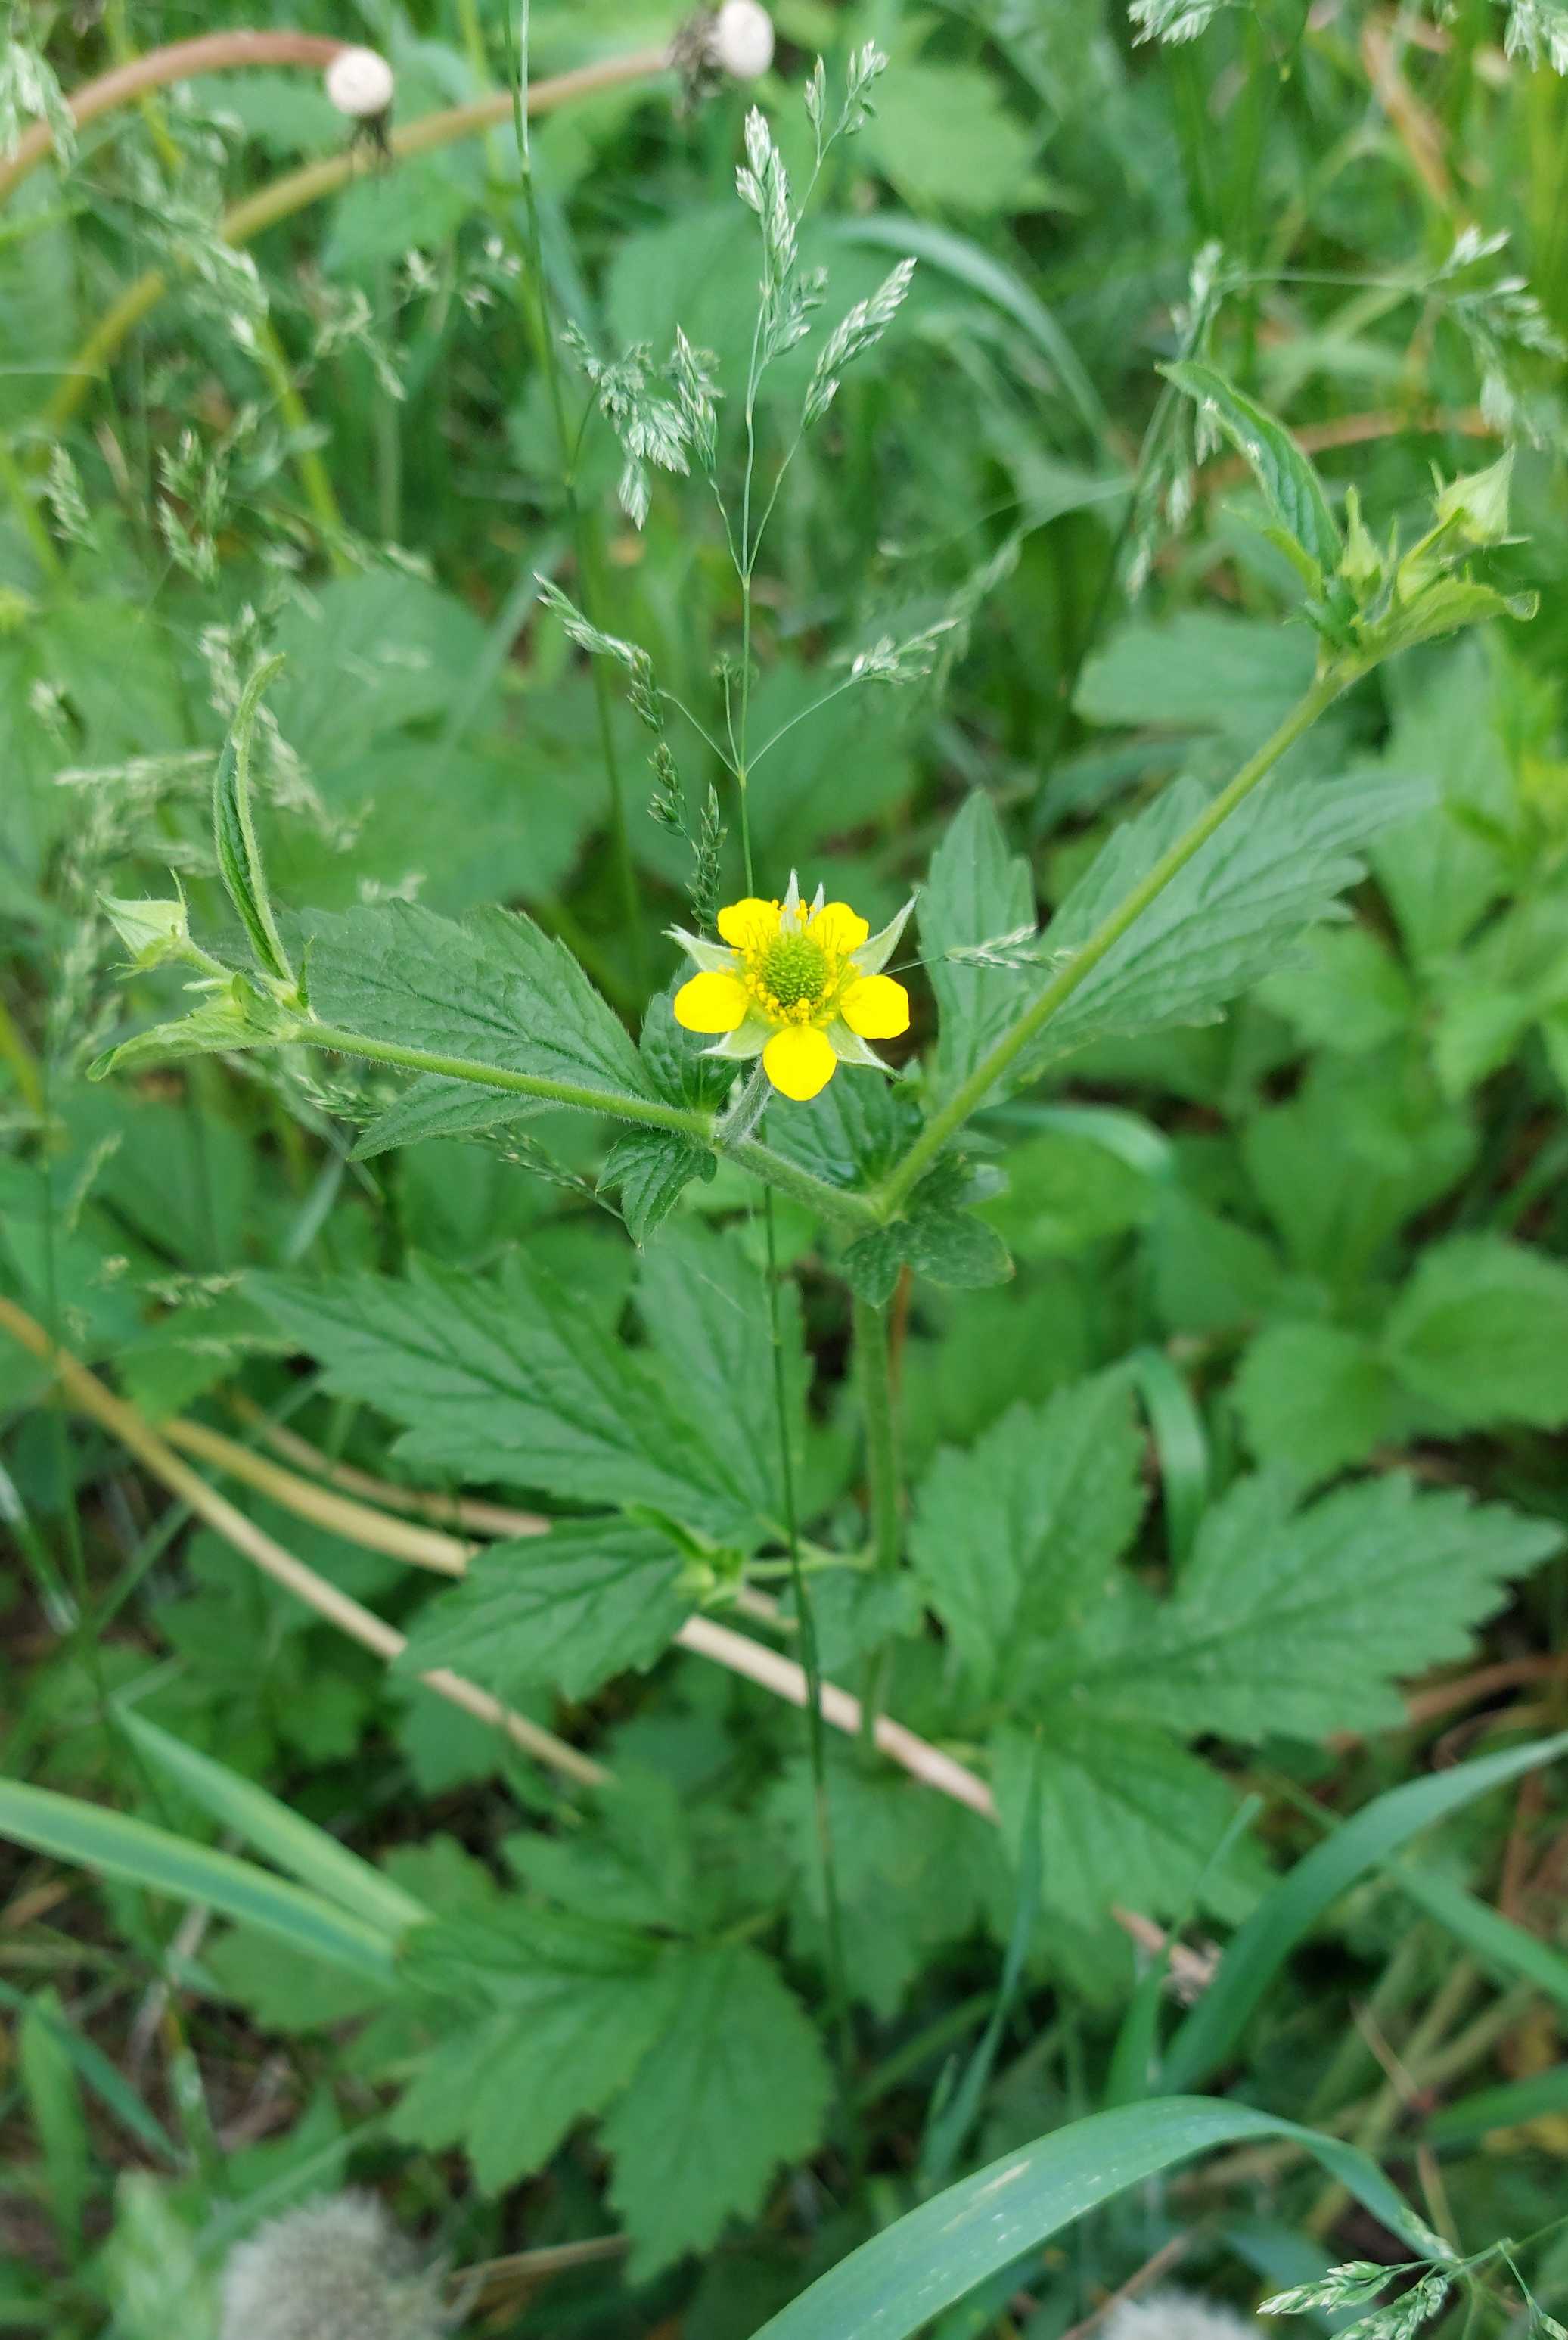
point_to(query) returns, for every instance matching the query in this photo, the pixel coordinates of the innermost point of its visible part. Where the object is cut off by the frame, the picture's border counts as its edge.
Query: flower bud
(741, 39)
(1477, 503)
(154, 933)
(360, 84)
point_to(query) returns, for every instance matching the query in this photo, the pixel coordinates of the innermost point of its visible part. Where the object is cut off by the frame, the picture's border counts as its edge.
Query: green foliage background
(1228, 1343)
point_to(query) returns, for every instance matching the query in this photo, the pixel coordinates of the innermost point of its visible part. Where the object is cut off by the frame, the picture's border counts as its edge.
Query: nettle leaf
(1015, 1538)
(512, 1381)
(1303, 1622)
(1480, 1333)
(568, 1610)
(734, 2086)
(1275, 867)
(976, 892)
(1291, 486)
(489, 990)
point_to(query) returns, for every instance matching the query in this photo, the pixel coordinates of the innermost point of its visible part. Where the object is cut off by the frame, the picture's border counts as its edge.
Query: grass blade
(115, 1845)
(114, 2093)
(896, 2282)
(296, 1845)
(1282, 1919)
(1494, 1939)
(1504, 2107)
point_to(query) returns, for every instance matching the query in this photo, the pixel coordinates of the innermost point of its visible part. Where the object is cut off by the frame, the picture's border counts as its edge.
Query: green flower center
(795, 970)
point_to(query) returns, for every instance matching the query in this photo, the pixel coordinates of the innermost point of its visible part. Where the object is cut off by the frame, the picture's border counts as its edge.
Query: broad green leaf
(1480, 1333)
(559, 2023)
(1291, 486)
(151, 2268)
(1275, 869)
(512, 1380)
(1123, 1809)
(938, 1240)
(568, 1610)
(976, 891)
(852, 1134)
(735, 2087)
(703, 1298)
(1441, 869)
(1314, 1398)
(893, 2286)
(1294, 1905)
(1014, 1538)
(1303, 1622)
(367, 656)
(115, 1845)
(234, 834)
(238, 1017)
(491, 990)
(1348, 992)
(297, 1845)
(1201, 671)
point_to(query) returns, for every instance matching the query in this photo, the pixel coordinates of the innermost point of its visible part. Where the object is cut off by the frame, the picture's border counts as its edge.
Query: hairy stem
(971, 1095)
(874, 1372)
(832, 1203)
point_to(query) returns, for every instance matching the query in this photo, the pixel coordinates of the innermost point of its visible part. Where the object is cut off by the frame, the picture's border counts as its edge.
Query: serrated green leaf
(652, 1168)
(1013, 1539)
(1291, 486)
(1303, 1622)
(1444, 607)
(511, 1381)
(1119, 1801)
(563, 2015)
(976, 891)
(237, 1017)
(568, 1610)
(233, 832)
(493, 990)
(1480, 1334)
(433, 1106)
(1275, 867)
(735, 2087)
(950, 1247)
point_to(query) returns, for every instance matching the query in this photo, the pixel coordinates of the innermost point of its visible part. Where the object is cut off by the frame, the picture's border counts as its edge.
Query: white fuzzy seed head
(1177, 2315)
(360, 84)
(336, 2269)
(740, 42)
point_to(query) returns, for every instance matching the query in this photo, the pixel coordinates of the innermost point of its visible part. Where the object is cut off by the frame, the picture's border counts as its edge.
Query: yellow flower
(799, 984)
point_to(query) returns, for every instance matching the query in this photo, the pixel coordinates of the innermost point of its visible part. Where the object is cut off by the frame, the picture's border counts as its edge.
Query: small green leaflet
(735, 2085)
(491, 989)
(937, 1239)
(511, 1381)
(1291, 488)
(234, 834)
(568, 1610)
(652, 1167)
(433, 1107)
(975, 893)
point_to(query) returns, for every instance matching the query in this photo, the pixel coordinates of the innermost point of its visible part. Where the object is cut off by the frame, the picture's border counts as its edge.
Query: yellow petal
(876, 1007)
(838, 929)
(711, 1003)
(800, 1061)
(746, 923)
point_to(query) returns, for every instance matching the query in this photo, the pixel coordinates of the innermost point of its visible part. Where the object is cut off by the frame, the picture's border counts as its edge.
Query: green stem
(971, 1095)
(829, 1202)
(874, 1366)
